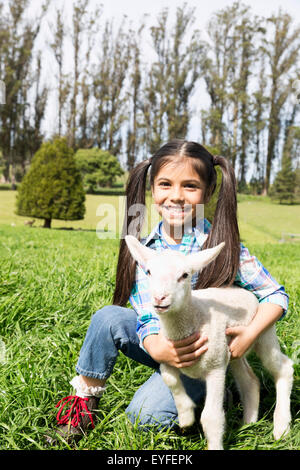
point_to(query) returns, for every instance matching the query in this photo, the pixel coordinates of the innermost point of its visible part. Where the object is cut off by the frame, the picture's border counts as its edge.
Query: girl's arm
(273, 302)
(181, 353)
(244, 336)
(253, 276)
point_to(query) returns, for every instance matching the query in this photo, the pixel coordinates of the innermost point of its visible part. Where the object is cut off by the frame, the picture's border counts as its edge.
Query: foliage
(297, 184)
(20, 69)
(2, 163)
(172, 78)
(109, 96)
(52, 187)
(111, 72)
(98, 168)
(283, 188)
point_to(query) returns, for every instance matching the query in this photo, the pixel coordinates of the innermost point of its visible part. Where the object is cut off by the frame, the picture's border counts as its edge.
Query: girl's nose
(177, 195)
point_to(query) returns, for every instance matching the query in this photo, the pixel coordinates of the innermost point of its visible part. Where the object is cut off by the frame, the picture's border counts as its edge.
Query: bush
(52, 188)
(98, 168)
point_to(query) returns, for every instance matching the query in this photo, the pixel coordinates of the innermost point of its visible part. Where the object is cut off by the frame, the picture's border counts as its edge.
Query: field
(52, 281)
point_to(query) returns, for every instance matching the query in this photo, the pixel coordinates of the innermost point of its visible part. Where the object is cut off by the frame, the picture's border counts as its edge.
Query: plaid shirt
(251, 275)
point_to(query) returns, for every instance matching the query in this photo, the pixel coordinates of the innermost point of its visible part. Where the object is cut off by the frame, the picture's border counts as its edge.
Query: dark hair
(224, 228)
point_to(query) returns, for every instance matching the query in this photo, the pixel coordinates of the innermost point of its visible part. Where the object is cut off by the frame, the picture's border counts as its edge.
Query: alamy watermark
(2, 92)
(121, 220)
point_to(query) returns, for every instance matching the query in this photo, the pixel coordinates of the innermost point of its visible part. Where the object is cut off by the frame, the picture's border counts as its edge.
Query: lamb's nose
(159, 300)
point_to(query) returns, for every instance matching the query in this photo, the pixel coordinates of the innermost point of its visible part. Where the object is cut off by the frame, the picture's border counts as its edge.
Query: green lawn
(260, 221)
(52, 281)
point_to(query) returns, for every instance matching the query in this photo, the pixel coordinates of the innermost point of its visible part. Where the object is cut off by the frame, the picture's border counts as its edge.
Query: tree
(259, 123)
(133, 141)
(57, 46)
(171, 79)
(282, 52)
(79, 26)
(97, 167)
(109, 79)
(19, 121)
(183, 72)
(297, 184)
(283, 188)
(52, 188)
(218, 62)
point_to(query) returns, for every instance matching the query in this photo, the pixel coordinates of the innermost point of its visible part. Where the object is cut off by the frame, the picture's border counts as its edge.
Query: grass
(260, 220)
(265, 222)
(51, 282)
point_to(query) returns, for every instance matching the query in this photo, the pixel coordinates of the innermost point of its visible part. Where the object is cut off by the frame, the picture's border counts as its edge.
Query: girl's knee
(106, 315)
(112, 312)
(145, 418)
(153, 404)
(114, 321)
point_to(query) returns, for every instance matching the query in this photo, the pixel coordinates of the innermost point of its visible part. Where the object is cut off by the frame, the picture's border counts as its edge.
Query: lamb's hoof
(281, 424)
(280, 431)
(186, 419)
(250, 418)
(215, 447)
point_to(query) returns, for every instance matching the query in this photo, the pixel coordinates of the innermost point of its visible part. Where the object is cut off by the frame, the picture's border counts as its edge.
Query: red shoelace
(78, 408)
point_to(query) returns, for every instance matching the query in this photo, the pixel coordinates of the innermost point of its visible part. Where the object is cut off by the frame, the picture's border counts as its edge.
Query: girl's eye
(184, 276)
(148, 272)
(188, 185)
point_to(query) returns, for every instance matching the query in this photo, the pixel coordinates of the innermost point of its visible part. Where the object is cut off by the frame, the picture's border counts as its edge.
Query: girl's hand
(181, 353)
(242, 338)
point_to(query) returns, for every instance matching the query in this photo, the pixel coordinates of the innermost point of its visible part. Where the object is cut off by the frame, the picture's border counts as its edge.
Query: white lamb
(183, 311)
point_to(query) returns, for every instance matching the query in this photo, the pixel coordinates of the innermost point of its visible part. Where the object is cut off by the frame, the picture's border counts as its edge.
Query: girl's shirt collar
(198, 234)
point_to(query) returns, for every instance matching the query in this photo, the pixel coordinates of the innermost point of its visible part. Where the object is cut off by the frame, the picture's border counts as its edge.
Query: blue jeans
(113, 329)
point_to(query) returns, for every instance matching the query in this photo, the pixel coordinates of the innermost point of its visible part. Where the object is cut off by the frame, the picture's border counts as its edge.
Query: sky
(135, 9)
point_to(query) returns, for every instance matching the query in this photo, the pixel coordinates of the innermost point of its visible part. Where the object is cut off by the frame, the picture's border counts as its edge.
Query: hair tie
(215, 160)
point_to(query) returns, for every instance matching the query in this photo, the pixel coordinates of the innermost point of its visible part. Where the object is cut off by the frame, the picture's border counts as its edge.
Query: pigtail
(224, 268)
(133, 223)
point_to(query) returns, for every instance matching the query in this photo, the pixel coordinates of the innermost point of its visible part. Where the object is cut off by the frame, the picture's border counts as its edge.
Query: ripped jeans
(113, 329)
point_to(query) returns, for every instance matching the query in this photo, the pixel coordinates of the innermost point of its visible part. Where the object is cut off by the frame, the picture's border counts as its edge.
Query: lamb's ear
(138, 251)
(197, 261)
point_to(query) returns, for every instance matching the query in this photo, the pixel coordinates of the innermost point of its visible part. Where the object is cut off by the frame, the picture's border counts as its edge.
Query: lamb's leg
(213, 417)
(281, 368)
(184, 404)
(248, 386)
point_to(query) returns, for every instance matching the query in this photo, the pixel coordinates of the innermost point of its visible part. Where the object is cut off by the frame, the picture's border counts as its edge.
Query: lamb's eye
(184, 276)
(148, 272)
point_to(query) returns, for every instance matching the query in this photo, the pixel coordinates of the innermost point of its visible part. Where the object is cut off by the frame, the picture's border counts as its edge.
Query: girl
(182, 176)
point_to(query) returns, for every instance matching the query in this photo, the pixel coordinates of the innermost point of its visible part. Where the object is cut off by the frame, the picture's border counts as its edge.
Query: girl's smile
(176, 192)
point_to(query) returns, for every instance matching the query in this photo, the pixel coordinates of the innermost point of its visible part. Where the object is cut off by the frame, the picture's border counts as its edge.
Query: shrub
(284, 184)
(98, 168)
(52, 188)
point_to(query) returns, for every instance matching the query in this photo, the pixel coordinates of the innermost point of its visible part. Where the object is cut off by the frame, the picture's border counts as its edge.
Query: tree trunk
(47, 223)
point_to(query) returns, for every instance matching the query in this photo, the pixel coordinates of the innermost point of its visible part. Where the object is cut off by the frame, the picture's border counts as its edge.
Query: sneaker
(76, 421)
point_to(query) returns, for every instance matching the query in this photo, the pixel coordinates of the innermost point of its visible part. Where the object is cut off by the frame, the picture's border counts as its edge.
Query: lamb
(182, 311)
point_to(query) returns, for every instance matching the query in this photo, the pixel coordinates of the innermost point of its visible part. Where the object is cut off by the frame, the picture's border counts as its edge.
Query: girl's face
(176, 191)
